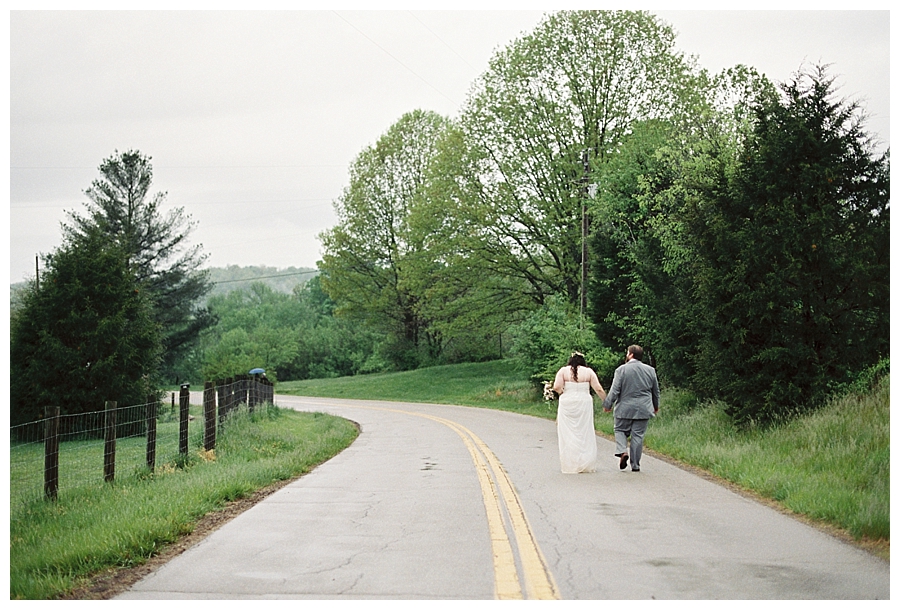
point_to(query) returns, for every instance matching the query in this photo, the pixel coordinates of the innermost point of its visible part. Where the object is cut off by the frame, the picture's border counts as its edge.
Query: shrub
(543, 342)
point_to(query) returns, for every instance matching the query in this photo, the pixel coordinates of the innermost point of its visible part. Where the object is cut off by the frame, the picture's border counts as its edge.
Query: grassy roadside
(495, 385)
(57, 546)
(832, 466)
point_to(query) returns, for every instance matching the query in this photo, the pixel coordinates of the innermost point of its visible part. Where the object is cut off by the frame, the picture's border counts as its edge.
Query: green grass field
(495, 385)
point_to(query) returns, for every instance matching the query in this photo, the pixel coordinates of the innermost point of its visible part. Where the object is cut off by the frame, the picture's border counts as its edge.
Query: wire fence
(64, 453)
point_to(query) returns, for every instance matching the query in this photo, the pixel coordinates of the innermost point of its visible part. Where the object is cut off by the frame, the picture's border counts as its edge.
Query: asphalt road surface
(445, 502)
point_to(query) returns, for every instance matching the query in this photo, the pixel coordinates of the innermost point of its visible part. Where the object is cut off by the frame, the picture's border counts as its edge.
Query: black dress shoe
(623, 461)
(635, 470)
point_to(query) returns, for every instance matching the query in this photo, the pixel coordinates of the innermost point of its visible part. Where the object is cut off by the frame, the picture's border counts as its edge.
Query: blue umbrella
(257, 371)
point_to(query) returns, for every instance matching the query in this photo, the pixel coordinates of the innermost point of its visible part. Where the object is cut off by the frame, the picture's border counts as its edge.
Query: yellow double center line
(498, 493)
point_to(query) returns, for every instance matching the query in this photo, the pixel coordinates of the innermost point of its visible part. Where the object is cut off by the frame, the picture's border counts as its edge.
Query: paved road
(443, 502)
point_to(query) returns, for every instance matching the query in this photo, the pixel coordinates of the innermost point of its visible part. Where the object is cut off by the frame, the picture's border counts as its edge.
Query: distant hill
(233, 277)
(226, 279)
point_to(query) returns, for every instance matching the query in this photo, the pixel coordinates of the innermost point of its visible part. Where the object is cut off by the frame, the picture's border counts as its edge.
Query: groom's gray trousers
(635, 428)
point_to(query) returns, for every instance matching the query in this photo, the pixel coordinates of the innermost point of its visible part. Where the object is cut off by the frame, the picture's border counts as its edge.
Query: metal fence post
(229, 395)
(242, 390)
(209, 412)
(252, 393)
(220, 399)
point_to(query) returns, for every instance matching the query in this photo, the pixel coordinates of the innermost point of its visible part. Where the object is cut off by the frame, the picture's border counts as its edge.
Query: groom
(636, 389)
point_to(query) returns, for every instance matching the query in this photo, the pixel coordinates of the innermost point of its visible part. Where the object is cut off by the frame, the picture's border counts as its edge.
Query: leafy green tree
(156, 247)
(793, 249)
(370, 256)
(291, 336)
(469, 305)
(574, 85)
(255, 329)
(85, 336)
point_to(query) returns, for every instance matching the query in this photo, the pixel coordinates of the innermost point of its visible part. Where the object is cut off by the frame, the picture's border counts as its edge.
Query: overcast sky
(253, 118)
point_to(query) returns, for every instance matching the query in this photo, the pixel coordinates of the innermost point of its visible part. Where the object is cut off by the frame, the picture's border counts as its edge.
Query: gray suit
(636, 390)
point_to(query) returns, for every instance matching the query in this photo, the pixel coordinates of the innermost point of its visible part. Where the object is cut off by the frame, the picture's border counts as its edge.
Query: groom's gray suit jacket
(636, 390)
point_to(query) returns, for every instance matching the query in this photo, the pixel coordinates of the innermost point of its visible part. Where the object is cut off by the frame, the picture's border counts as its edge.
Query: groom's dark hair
(637, 351)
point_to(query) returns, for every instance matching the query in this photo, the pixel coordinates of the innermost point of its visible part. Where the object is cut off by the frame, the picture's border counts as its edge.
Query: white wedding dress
(575, 428)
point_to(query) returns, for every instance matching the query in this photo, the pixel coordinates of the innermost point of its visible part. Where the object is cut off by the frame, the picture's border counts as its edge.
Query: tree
(291, 336)
(369, 257)
(467, 304)
(156, 247)
(87, 335)
(642, 268)
(575, 85)
(792, 249)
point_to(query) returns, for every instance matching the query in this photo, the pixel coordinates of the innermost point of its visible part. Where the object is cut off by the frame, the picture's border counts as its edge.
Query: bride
(575, 415)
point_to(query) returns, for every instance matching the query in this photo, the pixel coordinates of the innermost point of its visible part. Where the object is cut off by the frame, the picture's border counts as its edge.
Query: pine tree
(85, 336)
(156, 246)
(794, 249)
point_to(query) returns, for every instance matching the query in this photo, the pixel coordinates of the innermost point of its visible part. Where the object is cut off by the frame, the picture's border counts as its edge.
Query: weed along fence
(62, 453)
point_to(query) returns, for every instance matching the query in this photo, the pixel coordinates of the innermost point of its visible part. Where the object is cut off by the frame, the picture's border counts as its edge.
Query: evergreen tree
(155, 246)
(85, 336)
(793, 249)
(641, 288)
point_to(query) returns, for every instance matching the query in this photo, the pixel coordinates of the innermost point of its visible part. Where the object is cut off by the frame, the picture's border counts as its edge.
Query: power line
(190, 203)
(266, 277)
(413, 72)
(442, 40)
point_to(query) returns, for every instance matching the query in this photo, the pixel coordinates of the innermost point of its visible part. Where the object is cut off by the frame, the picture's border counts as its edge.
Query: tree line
(737, 229)
(598, 189)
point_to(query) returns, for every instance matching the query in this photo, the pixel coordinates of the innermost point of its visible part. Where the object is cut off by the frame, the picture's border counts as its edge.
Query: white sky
(252, 118)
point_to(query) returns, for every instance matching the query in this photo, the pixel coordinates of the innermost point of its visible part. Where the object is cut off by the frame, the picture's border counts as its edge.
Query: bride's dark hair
(576, 360)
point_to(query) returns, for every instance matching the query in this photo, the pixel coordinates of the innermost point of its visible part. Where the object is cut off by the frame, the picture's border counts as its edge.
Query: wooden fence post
(209, 412)
(184, 399)
(51, 453)
(152, 406)
(109, 451)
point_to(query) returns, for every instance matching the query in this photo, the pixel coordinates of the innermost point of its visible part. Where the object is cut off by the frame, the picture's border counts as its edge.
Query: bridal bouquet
(549, 394)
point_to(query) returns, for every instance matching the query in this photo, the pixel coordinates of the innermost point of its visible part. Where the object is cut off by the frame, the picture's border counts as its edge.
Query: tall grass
(80, 460)
(56, 546)
(832, 465)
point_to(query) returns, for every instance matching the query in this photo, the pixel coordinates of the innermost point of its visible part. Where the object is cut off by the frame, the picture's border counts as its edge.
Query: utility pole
(37, 274)
(584, 232)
